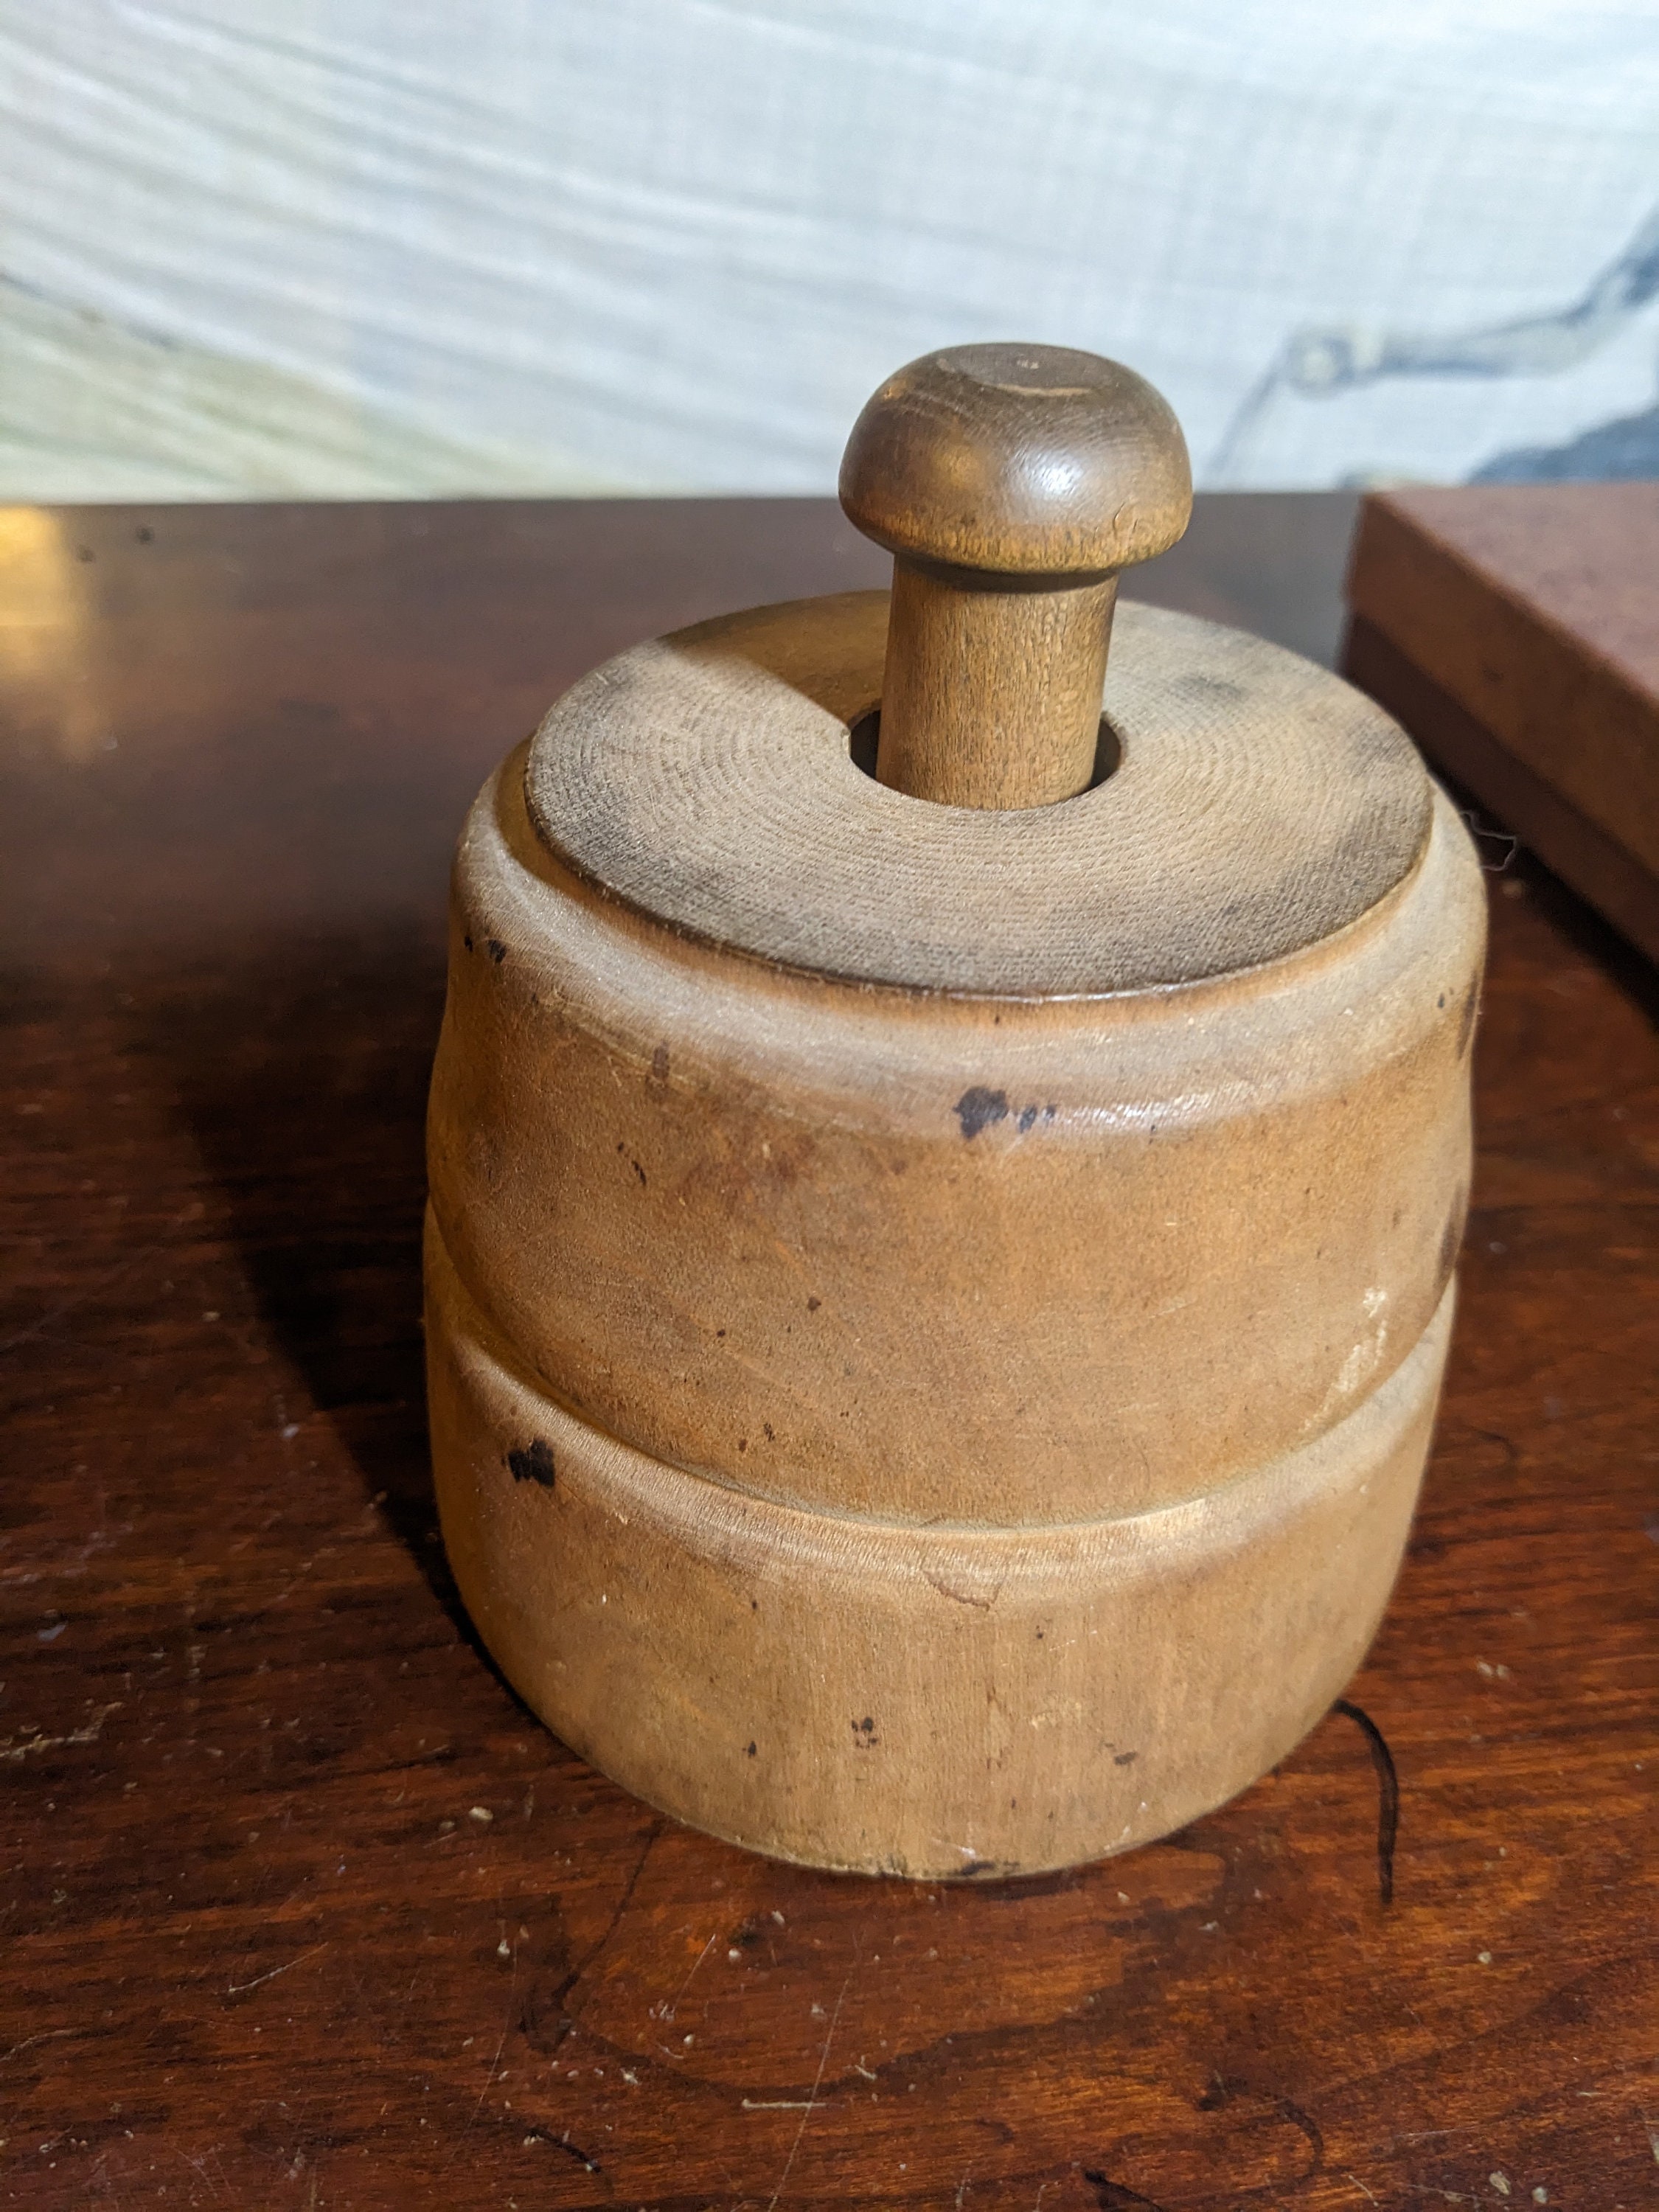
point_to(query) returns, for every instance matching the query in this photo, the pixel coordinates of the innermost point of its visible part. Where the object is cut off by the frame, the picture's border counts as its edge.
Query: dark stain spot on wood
(1027, 1116)
(581, 2157)
(1309, 2128)
(659, 1064)
(979, 1109)
(1441, 1000)
(864, 1732)
(546, 2018)
(1114, 2196)
(982, 1600)
(467, 941)
(1388, 1795)
(1219, 689)
(497, 951)
(743, 1444)
(719, 1332)
(535, 1465)
(769, 1432)
(812, 1305)
(144, 534)
(639, 1171)
(1125, 1757)
(751, 1752)
(1226, 2087)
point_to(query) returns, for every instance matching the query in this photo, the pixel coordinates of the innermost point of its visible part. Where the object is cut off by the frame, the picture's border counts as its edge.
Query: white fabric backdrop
(339, 246)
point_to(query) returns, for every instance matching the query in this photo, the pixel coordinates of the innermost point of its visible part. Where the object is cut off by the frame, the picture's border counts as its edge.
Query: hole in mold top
(864, 735)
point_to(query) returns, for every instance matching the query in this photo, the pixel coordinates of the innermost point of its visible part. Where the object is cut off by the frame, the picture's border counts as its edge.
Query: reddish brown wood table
(299, 1906)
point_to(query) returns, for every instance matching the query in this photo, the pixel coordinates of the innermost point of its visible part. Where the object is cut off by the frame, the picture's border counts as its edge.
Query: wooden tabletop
(301, 1908)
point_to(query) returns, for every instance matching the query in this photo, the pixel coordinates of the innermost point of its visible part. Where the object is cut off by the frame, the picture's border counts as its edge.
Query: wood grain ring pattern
(1260, 805)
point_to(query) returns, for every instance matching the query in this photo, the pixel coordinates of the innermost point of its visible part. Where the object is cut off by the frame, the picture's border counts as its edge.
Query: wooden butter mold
(937, 1280)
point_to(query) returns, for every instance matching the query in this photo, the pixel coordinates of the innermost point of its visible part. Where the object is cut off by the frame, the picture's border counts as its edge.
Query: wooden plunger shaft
(1011, 484)
(992, 696)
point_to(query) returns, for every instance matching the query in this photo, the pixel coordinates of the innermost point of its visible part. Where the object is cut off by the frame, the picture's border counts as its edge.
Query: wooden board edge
(1580, 722)
(1595, 865)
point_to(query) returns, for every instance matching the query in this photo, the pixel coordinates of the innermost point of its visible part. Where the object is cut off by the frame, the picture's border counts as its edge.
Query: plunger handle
(1011, 484)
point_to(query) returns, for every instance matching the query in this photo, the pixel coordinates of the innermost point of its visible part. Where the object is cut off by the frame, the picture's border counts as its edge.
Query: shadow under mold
(301, 1072)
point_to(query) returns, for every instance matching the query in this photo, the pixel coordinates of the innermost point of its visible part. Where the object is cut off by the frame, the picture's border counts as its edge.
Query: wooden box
(1514, 629)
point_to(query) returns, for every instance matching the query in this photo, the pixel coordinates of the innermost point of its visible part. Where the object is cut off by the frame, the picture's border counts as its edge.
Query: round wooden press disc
(1258, 806)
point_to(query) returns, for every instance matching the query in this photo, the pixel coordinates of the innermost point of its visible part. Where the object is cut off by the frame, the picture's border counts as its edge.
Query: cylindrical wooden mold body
(932, 1361)
(894, 1698)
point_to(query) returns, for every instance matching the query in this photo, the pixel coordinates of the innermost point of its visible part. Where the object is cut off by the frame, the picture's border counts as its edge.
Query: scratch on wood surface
(50, 1319)
(670, 2009)
(566, 1986)
(220, 2185)
(89, 1733)
(495, 2064)
(236, 1989)
(322, 1552)
(824, 2060)
(45, 2035)
(102, 2182)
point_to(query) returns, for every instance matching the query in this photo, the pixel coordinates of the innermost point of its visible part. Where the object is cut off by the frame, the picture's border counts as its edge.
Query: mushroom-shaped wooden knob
(1011, 484)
